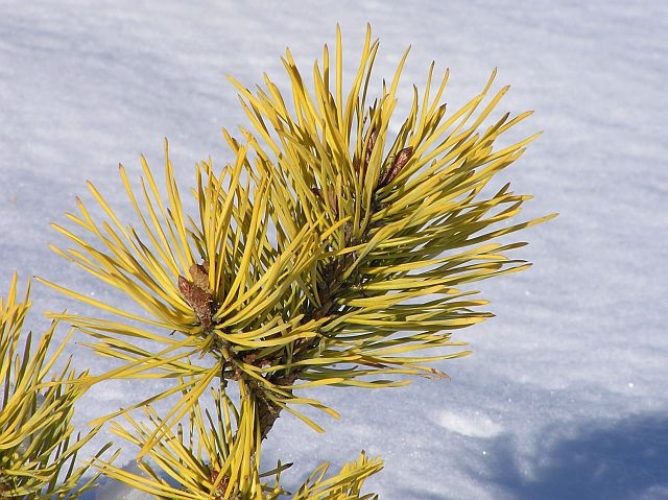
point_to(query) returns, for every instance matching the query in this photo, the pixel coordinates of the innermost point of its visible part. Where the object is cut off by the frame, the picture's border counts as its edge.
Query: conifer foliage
(37, 449)
(336, 248)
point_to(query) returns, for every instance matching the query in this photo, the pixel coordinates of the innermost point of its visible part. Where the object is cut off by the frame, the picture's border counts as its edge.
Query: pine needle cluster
(37, 445)
(336, 248)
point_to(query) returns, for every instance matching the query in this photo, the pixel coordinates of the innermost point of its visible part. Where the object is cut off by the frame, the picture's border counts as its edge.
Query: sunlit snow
(566, 394)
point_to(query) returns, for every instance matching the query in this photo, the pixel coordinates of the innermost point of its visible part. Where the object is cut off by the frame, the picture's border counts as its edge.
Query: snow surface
(566, 393)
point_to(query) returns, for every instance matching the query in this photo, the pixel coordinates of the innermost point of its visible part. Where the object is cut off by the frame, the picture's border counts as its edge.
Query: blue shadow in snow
(627, 459)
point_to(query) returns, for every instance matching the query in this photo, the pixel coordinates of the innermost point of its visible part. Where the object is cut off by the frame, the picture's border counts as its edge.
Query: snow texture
(566, 393)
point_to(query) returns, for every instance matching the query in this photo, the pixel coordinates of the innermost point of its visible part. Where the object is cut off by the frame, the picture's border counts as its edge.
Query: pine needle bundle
(37, 446)
(336, 248)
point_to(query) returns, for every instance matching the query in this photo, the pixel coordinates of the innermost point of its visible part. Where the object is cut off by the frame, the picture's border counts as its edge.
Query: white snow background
(566, 393)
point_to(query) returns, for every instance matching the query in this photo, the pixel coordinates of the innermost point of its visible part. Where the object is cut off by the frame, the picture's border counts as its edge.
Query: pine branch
(329, 251)
(402, 209)
(37, 446)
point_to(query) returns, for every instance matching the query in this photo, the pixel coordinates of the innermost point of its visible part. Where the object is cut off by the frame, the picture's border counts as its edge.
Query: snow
(566, 393)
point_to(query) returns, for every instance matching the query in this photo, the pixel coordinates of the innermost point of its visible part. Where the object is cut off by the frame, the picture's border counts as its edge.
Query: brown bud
(398, 164)
(250, 358)
(198, 297)
(222, 484)
(370, 144)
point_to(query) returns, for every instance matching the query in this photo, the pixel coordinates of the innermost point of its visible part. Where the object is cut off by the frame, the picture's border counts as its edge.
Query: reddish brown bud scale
(400, 161)
(250, 358)
(402, 158)
(184, 287)
(371, 143)
(197, 293)
(200, 275)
